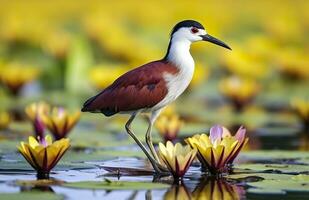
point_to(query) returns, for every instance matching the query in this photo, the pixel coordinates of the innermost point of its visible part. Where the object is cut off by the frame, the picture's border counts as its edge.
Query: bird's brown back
(140, 88)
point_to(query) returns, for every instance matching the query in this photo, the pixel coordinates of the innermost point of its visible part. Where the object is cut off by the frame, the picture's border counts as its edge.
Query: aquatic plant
(43, 154)
(59, 122)
(103, 75)
(177, 158)
(5, 120)
(169, 126)
(35, 112)
(218, 149)
(239, 91)
(14, 76)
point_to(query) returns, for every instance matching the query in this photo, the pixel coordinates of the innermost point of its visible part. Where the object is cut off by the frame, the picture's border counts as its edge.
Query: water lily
(168, 126)
(219, 148)
(239, 91)
(43, 154)
(301, 108)
(14, 76)
(292, 63)
(216, 189)
(5, 120)
(177, 158)
(35, 112)
(105, 74)
(59, 122)
(238, 62)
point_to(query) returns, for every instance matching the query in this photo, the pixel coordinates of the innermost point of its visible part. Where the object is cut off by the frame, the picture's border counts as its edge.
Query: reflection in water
(42, 188)
(304, 141)
(216, 189)
(177, 192)
(208, 189)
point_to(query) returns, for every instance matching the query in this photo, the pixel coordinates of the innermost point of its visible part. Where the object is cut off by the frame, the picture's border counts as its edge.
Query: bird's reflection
(207, 189)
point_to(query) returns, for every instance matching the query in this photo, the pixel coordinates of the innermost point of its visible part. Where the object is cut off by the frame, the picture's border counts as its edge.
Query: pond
(104, 163)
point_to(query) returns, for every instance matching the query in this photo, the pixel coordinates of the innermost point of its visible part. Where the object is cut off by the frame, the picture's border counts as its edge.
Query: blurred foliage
(77, 49)
(47, 34)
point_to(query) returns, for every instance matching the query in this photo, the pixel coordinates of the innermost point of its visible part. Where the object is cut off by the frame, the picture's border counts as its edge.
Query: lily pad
(116, 185)
(273, 183)
(43, 182)
(36, 195)
(298, 157)
(278, 186)
(277, 168)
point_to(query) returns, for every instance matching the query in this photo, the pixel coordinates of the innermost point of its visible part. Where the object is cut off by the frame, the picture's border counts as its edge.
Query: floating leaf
(279, 186)
(116, 185)
(36, 195)
(278, 168)
(42, 182)
(274, 183)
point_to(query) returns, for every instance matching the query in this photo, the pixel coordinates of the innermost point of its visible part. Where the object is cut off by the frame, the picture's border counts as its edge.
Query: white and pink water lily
(219, 148)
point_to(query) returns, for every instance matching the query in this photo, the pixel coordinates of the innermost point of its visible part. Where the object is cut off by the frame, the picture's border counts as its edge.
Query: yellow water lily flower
(216, 189)
(301, 108)
(43, 154)
(59, 122)
(14, 76)
(5, 120)
(219, 148)
(169, 126)
(35, 111)
(105, 74)
(292, 63)
(239, 91)
(57, 43)
(245, 63)
(177, 158)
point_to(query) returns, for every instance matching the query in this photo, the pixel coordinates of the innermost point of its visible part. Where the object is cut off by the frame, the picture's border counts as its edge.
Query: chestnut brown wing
(140, 88)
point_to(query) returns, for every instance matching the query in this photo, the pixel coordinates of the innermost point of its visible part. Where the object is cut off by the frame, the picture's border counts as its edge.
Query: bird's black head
(193, 31)
(186, 24)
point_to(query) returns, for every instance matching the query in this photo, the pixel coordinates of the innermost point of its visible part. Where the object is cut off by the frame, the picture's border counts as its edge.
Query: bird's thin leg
(138, 142)
(148, 138)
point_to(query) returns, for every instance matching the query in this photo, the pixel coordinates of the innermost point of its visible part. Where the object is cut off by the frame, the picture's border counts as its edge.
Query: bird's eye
(194, 30)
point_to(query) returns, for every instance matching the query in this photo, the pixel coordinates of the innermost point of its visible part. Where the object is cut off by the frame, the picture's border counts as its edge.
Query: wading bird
(151, 87)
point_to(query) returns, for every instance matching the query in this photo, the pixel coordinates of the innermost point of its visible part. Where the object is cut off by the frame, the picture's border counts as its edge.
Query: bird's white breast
(177, 83)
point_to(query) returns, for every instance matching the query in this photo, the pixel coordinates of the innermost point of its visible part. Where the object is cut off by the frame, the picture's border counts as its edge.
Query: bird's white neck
(179, 54)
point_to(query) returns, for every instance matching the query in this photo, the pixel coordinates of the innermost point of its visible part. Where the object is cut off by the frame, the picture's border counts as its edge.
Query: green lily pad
(262, 176)
(279, 186)
(42, 182)
(299, 157)
(116, 185)
(274, 183)
(35, 195)
(278, 168)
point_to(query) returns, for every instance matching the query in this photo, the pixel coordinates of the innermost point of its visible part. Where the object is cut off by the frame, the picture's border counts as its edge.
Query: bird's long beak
(214, 40)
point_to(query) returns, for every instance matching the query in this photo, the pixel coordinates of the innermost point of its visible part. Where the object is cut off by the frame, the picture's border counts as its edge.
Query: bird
(152, 86)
